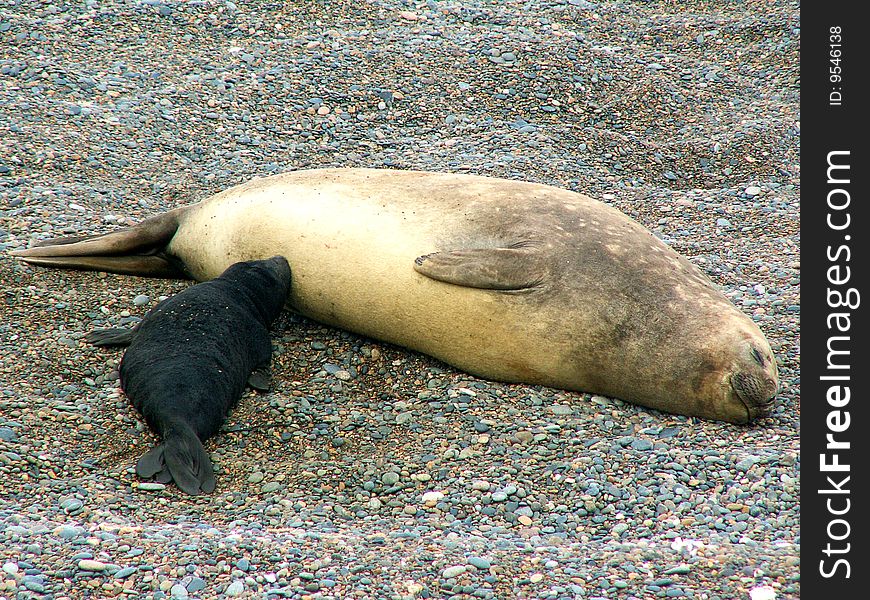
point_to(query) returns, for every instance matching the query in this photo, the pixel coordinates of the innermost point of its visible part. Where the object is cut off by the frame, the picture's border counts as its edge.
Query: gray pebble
(454, 571)
(125, 572)
(234, 589)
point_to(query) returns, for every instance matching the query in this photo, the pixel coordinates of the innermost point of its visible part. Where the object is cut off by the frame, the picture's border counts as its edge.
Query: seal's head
(754, 380)
(744, 386)
(265, 282)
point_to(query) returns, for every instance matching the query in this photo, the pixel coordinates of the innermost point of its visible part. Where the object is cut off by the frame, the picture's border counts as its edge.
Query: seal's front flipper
(110, 337)
(260, 379)
(512, 268)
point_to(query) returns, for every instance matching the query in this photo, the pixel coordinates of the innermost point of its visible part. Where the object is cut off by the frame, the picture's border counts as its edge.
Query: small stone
(151, 486)
(141, 300)
(390, 478)
(481, 563)
(178, 591)
(641, 444)
(68, 532)
(432, 498)
(669, 432)
(454, 571)
(764, 592)
(236, 588)
(752, 190)
(524, 436)
(723, 222)
(562, 409)
(678, 570)
(125, 572)
(536, 578)
(87, 564)
(747, 463)
(71, 505)
(33, 586)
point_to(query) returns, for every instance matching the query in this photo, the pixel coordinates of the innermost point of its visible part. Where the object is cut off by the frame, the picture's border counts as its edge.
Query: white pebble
(432, 497)
(763, 592)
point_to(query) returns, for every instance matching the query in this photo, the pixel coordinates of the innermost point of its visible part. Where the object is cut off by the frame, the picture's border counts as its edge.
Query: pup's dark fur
(190, 358)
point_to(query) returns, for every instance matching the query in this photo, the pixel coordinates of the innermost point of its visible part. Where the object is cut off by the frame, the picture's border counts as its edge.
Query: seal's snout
(756, 384)
(756, 391)
(279, 265)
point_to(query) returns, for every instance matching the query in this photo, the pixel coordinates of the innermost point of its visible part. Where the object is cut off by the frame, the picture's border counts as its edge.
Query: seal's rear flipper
(180, 458)
(151, 464)
(110, 337)
(144, 266)
(138, 250)
(512, 268)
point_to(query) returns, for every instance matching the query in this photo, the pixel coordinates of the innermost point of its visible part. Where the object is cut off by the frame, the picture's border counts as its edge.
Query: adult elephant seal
(507, 280)
(189, 360)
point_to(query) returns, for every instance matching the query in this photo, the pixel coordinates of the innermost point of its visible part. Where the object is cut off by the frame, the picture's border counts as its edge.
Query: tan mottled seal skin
(508, 280)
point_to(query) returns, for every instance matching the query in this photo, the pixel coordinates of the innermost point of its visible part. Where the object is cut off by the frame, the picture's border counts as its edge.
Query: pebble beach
(369, 471)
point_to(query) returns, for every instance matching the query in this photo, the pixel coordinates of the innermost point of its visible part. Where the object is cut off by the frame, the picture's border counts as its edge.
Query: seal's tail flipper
(180, 458)
(138, 250)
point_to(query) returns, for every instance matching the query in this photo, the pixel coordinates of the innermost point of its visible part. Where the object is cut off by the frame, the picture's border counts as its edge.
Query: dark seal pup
(190, 358)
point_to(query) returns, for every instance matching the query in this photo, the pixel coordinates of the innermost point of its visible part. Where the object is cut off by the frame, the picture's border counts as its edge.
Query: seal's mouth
(756, 392)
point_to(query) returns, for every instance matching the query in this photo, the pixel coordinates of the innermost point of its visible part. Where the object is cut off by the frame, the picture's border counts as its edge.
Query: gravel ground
(369, 471)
